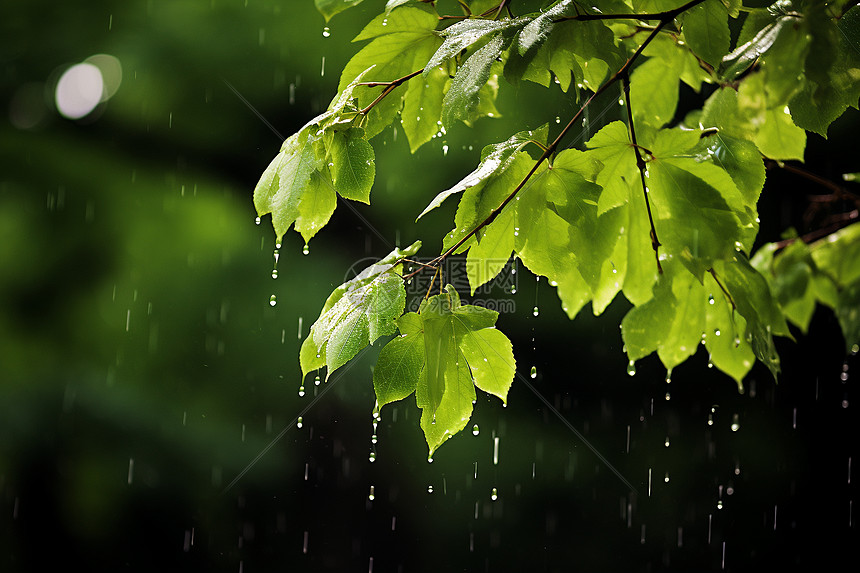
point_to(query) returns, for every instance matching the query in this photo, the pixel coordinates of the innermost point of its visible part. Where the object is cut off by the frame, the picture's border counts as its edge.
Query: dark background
(143, 370)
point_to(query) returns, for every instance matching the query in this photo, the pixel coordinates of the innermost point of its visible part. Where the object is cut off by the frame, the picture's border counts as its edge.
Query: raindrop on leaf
(326, 32)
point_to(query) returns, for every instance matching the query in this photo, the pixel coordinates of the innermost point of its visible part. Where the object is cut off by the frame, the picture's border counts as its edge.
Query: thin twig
(813, 236)
(838, 190)
(640, 164)
(390, 87)
(722, 288)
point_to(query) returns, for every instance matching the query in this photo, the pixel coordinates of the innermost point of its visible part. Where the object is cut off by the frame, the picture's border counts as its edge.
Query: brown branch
(640, 164)
(390, 87)
(841, 222)
(660, 16)
(838, 190)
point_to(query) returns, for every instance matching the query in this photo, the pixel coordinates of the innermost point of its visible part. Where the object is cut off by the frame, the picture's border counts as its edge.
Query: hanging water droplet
(737, 341)
(301, 390)
(306, 250)
(372, 457)
(373, 439)
(735, 423)
(666, 479)
(534, 372)
(445, 150)
(666, 443)
(299, 422)
(668, 396)
(273, 300)
(631, 368)
(557, 119)
(710, 419)
(429, 489)
(494, 495)
(669, 376)
(720, 504)
(429, 459)
(257, 221)
(475, 430)
(326, 32)
(372, 493)
(513, 290)
(317, 380)
(274, 273)
(710, 299)
(535, 311)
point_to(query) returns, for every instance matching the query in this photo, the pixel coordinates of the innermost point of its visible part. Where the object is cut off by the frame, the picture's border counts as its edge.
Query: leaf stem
(713, 273)
(640, 164)
(389, 87)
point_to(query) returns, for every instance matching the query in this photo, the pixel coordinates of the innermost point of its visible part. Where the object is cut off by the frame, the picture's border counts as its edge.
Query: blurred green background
(143, 369)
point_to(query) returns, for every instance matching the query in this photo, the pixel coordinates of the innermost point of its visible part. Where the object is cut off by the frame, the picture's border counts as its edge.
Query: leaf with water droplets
(356, 314)
(466, 33)
(354, 164)
(329, 8)
(463, 98)
(401, 42)
(444, 351)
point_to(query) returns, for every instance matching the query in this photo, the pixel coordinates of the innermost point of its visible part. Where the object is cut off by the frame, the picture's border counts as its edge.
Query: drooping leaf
(467, 33)
(357, 313)
(444, 351)
(329, 8)
(463, 97)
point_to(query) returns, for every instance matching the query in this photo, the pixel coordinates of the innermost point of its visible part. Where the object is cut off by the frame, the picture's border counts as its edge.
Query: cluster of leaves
(659, 208)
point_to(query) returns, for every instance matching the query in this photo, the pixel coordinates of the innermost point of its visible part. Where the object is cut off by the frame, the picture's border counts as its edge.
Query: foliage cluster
(661, 208)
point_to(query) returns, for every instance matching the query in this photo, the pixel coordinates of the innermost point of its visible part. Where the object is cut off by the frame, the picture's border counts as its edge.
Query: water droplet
(372, 457)
(257, 221)
(666, 479)
(372, 493)
(299, 422)
(317, 380)
(737, 341)
(326, 32)
(513, 290)
(534, 372)
(855, 349)
(557, 119)
(301, 391)
(631, 368)
(720, 504)
(494, 495)
(717, 332)
(429, 489)
(710, 419)
(669, 376)
(736, 425)
(273, 300)
(274, 273)
(373, 439)
(710, 299)
(429, 459)
(475, 430)
(668, 396)
(306, 250)
(666, 443)
(445, 150)
(535, 311)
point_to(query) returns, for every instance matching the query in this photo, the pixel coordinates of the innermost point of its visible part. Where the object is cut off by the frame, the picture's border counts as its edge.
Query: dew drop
(736, 425)
(273, 300)
(305, 250)
(326, 32)
(372, 494)
(429, 489)
(535, 311)
(737, 341)
(299, 422)
(494, 495)
(475, 430)
(710, 299)
(666, 443)
(717, 332)
(429, 459)
(301, 391)
(631, 368)
(372, 457)
(534, 372)
(317, 380)
(666, 478)
(274, 273)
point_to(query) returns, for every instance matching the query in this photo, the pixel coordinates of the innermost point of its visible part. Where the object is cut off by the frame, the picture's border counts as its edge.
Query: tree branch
(389, 87)
(640, 164)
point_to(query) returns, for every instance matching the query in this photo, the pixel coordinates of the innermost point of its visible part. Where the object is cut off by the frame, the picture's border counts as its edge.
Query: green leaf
(354, 164)
(398, 368)
(654, 92)
(750, 292)
(444, 351)
(838, 255)
(779, 138)
(466, 33)
(730, 350)
(356, 314)
(401, 42)
(463, 96)
(706, 31)
(495, 160)
(329, 8)
(848, 314)
(284, 182)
